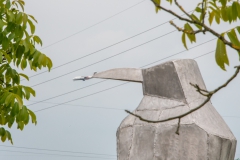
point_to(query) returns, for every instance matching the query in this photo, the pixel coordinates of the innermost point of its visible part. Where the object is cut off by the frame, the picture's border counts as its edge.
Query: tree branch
(171, 12)
(192, 21)
(186, 31)
(203, 10)
(210, 94)
(178, 127)
(181, 8)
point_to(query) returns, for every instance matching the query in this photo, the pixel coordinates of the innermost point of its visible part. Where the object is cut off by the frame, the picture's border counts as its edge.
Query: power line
(106, 80)
(81, 97)
(104, 89)
(52, 150)
(67, 92)
(84, 106)
(93, 25)
(105, 58)
(138, 34)
(56, 154)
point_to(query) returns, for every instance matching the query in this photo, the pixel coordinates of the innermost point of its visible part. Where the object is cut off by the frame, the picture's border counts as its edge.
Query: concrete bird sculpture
(203, 134)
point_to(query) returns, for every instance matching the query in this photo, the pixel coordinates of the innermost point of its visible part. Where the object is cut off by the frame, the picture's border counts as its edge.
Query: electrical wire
(55, 154)
(52, 150)
(138, 34)
(81, 97)
(93, 25)
(83, 106)
(104, 59)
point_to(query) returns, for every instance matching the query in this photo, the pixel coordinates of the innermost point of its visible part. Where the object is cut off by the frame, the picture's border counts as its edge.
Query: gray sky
(78, 126)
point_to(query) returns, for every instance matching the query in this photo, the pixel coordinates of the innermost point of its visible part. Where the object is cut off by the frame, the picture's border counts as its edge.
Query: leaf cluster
(17, 48)
(227, 11)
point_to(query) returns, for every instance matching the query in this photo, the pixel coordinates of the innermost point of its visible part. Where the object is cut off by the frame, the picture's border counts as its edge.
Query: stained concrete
(203, 134)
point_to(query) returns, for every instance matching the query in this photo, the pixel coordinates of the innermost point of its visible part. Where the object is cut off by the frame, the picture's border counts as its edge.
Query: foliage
(227, 11)
(17, 49)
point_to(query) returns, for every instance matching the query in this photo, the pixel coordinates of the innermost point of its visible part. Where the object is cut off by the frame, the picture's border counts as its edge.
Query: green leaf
(9, 137)
(23, 113)
(49, 63)
(184, 40)
(5, 43)
(29, 90)
(2, 131)
(4, 137)
(25, 19)
(15, 109)
(157, 2)
(198, 9)
(2, 24)
(32, 26)
(191, 37)
(24, 75)
(20, 125)
(37, 39)
(235, 10)
(19, 18)
(233, 38)
(229, 14)
(19, 99)
(8, 4)
(33, 18)
(1, 57)
(11, 121)
(224, 2)
(26, 45)
(238, 9)
(224, 14)
(238, 29)
(8, 58)
(211, 16)
(23, 64)
(33, 116)
(221, 54)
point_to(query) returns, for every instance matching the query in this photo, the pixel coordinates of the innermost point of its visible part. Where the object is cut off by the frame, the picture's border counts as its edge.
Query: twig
(184, 30)
(181, 8)
(210, 94)
(171, 12)
(203, 11)
(177, 131)
(206, 93)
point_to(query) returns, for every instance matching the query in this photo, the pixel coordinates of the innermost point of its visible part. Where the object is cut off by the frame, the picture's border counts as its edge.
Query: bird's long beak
(77, 78)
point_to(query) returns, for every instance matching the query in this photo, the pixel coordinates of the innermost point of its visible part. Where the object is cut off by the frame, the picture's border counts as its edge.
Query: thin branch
(203, 10)
(186, 31)
(210, 94)
(171, 12)
(181, 8)
(178, 127)
(171, 118)
(201, 91)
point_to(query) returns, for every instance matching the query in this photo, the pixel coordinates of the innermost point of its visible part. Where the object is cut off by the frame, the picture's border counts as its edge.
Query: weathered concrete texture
(203, 134)
(166, 78)
(190, 144)
(167, 93)
(125, 74)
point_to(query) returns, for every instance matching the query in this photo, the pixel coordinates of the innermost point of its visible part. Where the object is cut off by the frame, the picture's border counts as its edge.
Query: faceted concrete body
(203, 134)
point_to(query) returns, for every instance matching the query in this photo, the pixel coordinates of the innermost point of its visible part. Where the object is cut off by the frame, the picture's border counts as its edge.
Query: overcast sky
(89, 124)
